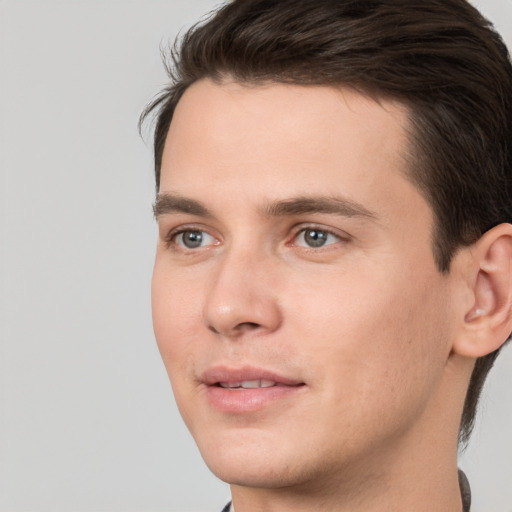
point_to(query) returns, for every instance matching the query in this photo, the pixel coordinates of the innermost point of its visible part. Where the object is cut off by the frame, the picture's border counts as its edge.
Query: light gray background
(87, 422)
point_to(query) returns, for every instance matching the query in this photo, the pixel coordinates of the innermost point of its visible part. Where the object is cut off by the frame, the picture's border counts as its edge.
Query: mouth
(248, 384)
(246, 377)
(247, 389)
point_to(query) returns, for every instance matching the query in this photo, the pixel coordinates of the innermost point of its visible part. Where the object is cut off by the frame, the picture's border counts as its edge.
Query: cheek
(175, 323)
(174, 317)
(377, 342)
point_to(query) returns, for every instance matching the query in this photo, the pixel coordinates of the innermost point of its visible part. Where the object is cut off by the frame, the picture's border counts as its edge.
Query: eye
(314, 237)
(193, 239)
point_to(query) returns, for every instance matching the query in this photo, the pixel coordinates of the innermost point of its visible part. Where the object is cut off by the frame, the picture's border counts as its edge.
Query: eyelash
(171, 239)
(303, 229)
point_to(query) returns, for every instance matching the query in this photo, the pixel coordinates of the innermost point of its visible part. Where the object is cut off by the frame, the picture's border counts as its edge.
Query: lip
(216, 374)
(246, 400)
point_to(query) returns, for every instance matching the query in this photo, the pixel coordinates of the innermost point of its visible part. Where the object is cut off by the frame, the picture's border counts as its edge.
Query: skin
(365, 323)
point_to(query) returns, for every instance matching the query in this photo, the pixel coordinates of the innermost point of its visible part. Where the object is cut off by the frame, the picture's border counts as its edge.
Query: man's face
(297, 305)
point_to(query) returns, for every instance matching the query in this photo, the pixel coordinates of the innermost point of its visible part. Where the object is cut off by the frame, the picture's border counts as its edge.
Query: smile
(247, 389)
(248, 384)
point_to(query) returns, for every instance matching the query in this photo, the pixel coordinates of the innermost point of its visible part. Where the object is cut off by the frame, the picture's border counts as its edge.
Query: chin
(247, 460)
(262, 460)
(267, 475)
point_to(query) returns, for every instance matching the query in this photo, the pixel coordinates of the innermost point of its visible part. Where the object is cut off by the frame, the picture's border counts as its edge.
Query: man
(333, 276)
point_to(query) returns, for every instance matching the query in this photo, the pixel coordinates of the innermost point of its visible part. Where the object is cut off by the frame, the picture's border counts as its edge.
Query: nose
(242, 298)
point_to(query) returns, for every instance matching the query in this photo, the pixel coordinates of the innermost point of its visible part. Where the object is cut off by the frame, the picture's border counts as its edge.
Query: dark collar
(465, 491)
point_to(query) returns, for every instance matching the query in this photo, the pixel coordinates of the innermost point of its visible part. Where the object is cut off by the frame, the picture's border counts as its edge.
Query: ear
(488, 322)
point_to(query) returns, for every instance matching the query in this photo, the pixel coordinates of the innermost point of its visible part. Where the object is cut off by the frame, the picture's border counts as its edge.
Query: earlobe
(488, 323)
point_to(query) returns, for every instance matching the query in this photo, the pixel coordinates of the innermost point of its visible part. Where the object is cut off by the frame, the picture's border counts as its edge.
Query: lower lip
(241, 400)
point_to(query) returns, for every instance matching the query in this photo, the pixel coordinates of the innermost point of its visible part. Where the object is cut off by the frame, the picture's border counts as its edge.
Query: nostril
(249, 326)
(238, 329)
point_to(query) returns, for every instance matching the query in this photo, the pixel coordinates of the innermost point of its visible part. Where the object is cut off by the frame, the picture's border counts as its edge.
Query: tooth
(230, 385)
(249, 384)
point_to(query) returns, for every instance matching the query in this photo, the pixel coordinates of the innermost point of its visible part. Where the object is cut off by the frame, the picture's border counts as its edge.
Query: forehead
(286, 109)
(271, 141)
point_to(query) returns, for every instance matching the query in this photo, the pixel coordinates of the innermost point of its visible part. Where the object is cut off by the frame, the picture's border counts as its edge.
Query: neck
(421, 490)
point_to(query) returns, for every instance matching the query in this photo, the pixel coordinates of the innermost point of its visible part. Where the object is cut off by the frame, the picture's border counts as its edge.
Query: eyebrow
(330, 205)
(169, 203)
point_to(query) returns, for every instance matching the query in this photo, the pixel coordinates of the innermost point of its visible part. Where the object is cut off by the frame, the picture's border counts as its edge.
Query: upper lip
(216, 374)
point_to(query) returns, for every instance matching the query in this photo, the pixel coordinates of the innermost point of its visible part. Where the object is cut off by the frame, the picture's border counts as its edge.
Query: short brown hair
(440, 58)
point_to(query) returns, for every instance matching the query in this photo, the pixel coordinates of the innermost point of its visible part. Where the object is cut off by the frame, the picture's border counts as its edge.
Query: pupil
(315, 238)
(192, 239)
